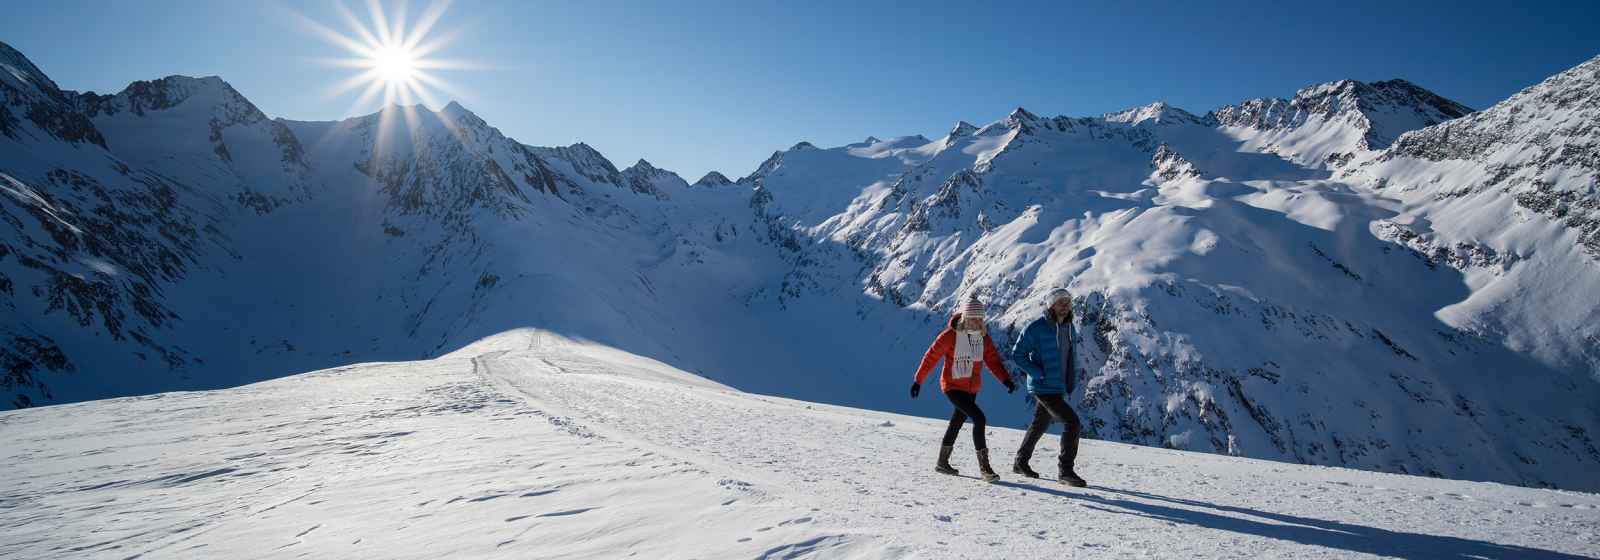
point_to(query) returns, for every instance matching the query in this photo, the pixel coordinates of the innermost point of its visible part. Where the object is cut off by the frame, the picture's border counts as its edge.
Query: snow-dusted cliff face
(1328, 124)
(1294, 280)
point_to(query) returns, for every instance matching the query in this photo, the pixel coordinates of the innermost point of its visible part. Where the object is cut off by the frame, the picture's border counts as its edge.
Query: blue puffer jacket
(1040, 357)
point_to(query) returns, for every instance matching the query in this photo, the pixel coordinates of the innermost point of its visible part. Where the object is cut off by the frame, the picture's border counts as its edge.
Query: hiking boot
(983, 466)
(943, 466)
(1022, 469)
(1070, 478)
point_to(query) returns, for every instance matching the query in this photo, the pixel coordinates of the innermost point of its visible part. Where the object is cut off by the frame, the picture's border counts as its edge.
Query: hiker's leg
(1070, 429)
(1036, 429)
(957, 418)
(967, 404)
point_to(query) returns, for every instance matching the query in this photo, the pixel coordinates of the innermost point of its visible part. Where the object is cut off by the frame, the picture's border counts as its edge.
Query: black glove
(1011, 386)
(916, 389)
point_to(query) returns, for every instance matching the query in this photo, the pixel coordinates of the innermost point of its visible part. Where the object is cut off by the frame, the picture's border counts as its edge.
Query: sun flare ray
(391, 52)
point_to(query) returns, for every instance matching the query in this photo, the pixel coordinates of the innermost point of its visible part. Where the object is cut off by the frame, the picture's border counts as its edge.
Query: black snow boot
(983, 466)
(944, 461)
(1070, 478)
(1021, 467)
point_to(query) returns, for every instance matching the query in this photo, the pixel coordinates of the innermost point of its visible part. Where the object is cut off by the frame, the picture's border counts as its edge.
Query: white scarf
(969, 350)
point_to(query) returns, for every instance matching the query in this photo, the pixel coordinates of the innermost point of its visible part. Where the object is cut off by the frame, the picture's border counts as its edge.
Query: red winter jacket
(944, 347)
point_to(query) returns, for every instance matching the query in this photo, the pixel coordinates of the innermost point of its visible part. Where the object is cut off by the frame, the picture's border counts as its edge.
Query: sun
(393, 55)
(395, 65)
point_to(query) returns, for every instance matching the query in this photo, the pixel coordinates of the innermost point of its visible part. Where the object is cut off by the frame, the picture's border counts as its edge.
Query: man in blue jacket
(1045, 353)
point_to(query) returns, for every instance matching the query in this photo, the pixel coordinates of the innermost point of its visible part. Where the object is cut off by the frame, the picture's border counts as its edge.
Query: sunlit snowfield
(531, 445)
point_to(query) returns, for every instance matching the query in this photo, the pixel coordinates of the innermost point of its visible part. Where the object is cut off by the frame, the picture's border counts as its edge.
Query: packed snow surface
(527, 444)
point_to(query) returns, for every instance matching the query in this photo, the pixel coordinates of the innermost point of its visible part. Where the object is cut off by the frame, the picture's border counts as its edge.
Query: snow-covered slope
(1240, 290)
(1510, 197)
(533, 445)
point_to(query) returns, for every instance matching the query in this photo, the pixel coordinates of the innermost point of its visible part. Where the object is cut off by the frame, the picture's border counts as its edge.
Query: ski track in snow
(526, 444)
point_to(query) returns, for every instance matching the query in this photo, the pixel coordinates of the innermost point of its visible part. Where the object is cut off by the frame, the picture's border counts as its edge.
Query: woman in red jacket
(965, 348)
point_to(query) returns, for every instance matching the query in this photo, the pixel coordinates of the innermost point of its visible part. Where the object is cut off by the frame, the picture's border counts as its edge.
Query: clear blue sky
(700, 85)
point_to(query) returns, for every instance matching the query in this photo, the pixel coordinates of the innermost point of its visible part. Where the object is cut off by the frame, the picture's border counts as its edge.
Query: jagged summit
(1566, 105)
(1381, 110)
(962, 128)
(772, 162)
(464, 117)
(713, 179)
(21, 73)
(1335, 125)
(801, 146)
(1020, 120)
(583, 147)
(456, 111)
(1159, 113)
(643, 177)
(170, 92)
(1384, 96)
(27, 93)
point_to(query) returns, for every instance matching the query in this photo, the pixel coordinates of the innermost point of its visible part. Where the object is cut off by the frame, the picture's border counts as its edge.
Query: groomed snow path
(527, 445)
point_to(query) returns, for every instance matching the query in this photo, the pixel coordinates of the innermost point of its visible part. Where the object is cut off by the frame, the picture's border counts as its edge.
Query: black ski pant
(1046, 408)
(966, 408)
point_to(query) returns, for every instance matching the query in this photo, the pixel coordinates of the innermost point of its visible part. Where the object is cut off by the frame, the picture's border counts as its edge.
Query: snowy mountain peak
(1021, 121)
(465, 118)
(588, 152)
(17, 71)
(1376, 107)
(27, 93)
(1159, 113)
(802, 146)
(771, 163)
(1333, 124)
(713, 179)
(871, 140)
(643, 177)
(644, 168)
(460, 114)
(209, 93)
(962, 128)
(1381, 103)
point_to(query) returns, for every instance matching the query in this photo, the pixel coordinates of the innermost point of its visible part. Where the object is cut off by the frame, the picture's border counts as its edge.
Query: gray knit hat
(1056, 294)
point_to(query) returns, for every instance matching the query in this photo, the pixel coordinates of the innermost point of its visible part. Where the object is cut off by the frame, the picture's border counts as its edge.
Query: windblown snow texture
(531, 444)
(1364, 275)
